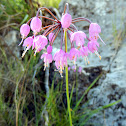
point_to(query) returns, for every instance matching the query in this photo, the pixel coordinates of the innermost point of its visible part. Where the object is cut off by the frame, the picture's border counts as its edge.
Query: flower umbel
(39, 40)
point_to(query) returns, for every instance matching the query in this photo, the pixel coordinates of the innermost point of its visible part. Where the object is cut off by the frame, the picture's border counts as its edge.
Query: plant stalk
(67, 86)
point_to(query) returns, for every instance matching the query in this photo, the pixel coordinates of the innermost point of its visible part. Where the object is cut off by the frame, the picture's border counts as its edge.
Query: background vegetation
(23, 97)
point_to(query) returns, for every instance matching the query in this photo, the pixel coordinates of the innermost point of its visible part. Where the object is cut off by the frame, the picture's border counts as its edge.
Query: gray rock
(12, 39)
(112, 86)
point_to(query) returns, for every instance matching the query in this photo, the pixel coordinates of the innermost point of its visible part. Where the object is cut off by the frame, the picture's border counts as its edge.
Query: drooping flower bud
(24, 30)
(66, 20)
(36, 24)
(49, 49)
(51, 37)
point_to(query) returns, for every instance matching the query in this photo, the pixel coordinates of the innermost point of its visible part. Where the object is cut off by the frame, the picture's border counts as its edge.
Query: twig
(47, 95)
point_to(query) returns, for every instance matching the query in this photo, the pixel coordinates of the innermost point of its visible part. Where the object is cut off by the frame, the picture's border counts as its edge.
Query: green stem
(67, 86)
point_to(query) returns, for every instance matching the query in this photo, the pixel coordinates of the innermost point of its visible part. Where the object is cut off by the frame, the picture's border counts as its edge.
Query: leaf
(25, 18)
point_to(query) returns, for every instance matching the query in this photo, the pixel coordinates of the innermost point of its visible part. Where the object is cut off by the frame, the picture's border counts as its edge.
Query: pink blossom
(60, 58)
(24, 30)
(73, 54)
(27, 43)
(36, 24)
(94, 30)
(49, 49)
(58, 54)
(92, 45)
(84, 51)
(47, 59)
(51, 37)
(69, 68)
(74, 68)
(80, 70)
(71, 37)
(66, 20)
(39, 43)
(78, 37)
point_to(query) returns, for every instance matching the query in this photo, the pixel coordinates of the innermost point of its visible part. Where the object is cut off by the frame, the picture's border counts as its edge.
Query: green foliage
(18, 104)
(13, 13)
(50, 3)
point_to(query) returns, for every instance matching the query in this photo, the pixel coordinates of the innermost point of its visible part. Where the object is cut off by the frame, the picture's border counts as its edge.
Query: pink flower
(78, 37)
(71, 37)
(39, 43)
(58, 54)
(73, 54)
(84, 51)
(51, 37)
(69, 68)
(60, 58)
(27, 43)
(49, 49)
(74, 68)
(36, 24)
(92, 45)
(47, 59)
(24, 30)
(94, 30)
(66, 20)
(80, 70)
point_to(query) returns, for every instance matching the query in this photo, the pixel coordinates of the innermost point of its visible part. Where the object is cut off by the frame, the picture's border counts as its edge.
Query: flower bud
(49, 49)
(24, 30)
(36, 24)
(66, 20)
(51, 37)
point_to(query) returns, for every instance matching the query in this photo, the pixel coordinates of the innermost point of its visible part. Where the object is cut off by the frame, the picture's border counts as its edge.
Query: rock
(12, 40)
(112, 86)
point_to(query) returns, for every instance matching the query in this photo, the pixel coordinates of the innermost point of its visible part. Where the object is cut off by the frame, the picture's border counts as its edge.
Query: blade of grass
(78, 103)
(97, 110)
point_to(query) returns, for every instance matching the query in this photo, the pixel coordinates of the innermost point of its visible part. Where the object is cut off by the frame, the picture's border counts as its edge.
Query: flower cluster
(79, 46)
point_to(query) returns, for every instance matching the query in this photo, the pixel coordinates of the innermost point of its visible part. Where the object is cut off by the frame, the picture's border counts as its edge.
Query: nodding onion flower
(41, 35)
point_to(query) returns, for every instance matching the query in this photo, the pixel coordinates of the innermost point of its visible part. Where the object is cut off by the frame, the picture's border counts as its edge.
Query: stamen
(74, 62)
(21, 42)
(23, 54)
(97, 54)
(101, 39)
(35, 52)
(87, 60)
